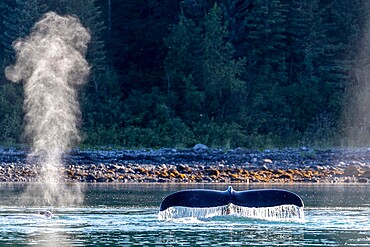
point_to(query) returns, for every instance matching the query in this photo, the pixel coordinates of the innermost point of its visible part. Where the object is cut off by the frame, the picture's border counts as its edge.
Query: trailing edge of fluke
(201, 198)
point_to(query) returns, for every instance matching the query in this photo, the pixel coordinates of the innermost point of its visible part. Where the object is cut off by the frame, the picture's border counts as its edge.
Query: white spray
(51, 63)
(277, 213)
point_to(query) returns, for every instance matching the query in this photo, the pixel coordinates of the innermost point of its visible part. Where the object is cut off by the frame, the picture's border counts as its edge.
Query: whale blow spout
(51, 63)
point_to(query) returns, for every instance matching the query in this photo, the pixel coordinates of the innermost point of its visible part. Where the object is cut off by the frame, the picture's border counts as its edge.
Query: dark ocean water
(127, 215)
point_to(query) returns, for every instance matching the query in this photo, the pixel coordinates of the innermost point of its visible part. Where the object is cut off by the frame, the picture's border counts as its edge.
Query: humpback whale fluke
(202, 198)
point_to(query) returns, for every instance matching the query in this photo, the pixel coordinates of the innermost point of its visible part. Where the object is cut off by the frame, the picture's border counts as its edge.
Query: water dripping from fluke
(278, 213)
(280, 205)
(51, 63)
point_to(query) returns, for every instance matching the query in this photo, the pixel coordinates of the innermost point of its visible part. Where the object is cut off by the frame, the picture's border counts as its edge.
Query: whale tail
(201, 198)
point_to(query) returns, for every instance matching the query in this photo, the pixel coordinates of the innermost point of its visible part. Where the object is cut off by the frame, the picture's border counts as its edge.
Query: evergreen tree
(178, 69)
(229, 13)
(101, 97)
(3, 9)
(220, 72)
(11, 117)
(181, 68)
(90, 15)
(138, 29)
(333, 70)
(265, 30)
(355, 119)
(17, 22)
(308, 41)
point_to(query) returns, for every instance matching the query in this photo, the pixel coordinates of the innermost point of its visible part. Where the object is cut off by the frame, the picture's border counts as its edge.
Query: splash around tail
(260, 204)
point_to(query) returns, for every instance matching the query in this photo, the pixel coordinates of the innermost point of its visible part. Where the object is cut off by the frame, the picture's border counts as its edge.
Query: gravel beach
(198, 165)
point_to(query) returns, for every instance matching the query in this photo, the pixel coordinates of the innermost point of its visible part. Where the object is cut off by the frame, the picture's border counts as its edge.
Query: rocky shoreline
(198, 165)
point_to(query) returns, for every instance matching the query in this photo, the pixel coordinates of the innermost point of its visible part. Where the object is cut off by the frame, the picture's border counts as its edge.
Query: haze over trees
(225, 73)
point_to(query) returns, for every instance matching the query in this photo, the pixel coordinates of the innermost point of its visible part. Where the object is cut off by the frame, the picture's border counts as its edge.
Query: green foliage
(224, 73)
(17, 22)
(320, 132)
(220, 72)
(182, 74)
(90, 15)
(355, 121)
(11, 119)
(220, 135)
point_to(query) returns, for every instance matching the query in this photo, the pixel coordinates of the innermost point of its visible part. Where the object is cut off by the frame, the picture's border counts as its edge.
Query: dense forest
(227, 73)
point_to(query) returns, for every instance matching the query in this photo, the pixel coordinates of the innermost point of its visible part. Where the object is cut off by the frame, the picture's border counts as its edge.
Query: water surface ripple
(103, 222)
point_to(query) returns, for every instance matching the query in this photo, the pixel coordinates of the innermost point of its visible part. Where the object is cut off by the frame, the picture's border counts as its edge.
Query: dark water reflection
(329, 195)
(138, 195)
(126, 215)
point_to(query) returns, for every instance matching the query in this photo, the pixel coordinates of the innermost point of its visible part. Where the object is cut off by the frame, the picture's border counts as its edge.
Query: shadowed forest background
(227, 73)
